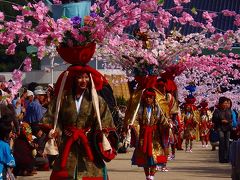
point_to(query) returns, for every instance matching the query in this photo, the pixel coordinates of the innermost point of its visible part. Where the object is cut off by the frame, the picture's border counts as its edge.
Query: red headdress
(169, 75)
(98, 79)
(146, 81)
(149, 93)
(189, 101)
(204, 106)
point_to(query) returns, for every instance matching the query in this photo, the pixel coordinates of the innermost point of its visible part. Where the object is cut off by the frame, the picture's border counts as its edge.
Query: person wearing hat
(35, 110)
(149, 152)
(29, 98)
(190, 120)
(170, 134)
(204, 123)
(79, 154)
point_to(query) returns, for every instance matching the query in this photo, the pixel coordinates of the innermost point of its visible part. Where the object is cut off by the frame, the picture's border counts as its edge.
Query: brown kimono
(78, 163)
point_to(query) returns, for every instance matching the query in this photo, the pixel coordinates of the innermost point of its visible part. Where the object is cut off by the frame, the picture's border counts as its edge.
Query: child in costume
(190, 122)
(150, 118)
(204, 124)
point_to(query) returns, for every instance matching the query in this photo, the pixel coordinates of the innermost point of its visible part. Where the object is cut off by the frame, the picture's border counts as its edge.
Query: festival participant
(149, 151)
(190, 122)
(79, 151)
(169, 134)
(204, 125)
(180, 131)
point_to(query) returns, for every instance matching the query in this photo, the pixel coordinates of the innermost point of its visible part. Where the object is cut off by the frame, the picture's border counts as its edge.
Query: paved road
(201, 164)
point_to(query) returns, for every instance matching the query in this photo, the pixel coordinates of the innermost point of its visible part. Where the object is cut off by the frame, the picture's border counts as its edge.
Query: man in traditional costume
(79, 151)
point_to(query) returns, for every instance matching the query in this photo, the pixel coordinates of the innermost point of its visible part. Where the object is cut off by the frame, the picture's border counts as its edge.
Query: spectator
(24, 152)
(7, 161)
(222, 119)
(41, 160)
(35, 111)
(30, 97)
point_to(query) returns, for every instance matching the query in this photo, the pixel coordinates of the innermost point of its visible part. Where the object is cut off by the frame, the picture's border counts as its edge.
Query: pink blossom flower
(1, 16)
(11, 49)
(226, 12)
(178, 9)
(209, 16)
(17, 75)
(57, 1)
(185, 18)
(27, 64)
(237, 20)
(178, 2)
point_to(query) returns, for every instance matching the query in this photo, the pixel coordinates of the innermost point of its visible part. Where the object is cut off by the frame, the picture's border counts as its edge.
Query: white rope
(106, 144)
(59, 100)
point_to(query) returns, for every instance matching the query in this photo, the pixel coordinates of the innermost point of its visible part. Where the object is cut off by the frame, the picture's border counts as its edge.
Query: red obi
(147, 141)
(190, 123)
(76, 134)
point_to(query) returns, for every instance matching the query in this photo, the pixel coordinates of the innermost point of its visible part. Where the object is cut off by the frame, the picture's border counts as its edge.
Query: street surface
(201, 164)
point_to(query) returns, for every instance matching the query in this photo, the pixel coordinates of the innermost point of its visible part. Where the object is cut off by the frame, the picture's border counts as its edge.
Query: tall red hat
(146, 81)
(204, 104)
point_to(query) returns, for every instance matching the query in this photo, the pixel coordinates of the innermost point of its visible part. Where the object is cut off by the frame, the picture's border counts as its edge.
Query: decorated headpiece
(146, 81)
(161, 82)
(190, 99)
(98, 79)
(204, 106)
(149, 93)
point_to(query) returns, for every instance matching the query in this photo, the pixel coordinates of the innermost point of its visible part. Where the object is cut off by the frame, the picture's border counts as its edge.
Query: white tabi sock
(151, 177)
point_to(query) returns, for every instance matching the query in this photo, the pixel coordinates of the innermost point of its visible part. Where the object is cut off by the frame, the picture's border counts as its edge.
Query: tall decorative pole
(52, 67)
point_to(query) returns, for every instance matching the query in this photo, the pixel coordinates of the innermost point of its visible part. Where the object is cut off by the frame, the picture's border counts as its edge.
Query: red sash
(147, 141)
(76, 134)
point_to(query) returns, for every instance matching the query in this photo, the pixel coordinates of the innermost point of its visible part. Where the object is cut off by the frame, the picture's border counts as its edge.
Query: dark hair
(161, 80)
(75, 78)
(5, 126)
(150, 90)
(222, 99)
(230, 101)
